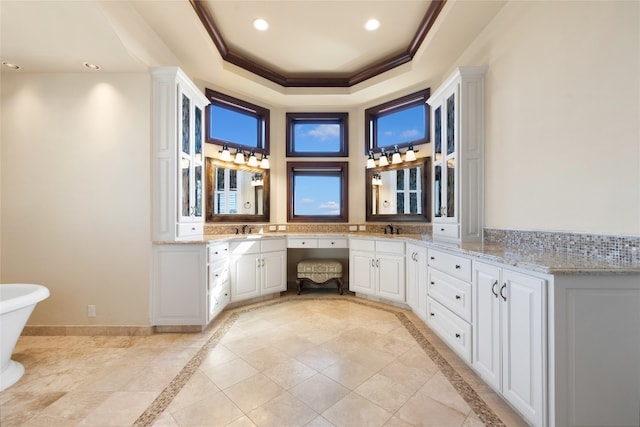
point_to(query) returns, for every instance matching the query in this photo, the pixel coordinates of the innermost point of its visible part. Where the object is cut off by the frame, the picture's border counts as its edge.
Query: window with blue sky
(403, 122)
(317, 191)
(317, 134)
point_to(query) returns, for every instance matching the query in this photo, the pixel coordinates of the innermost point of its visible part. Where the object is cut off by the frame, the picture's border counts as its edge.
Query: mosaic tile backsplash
(612, 247)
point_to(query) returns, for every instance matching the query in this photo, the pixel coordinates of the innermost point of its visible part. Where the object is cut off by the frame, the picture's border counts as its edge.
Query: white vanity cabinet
(457, 114)
(299, 242)
(178, 109)
(218, 286)
(510, 336)
(377, 268)
(416, 270)
(449, 300)
(258, 267)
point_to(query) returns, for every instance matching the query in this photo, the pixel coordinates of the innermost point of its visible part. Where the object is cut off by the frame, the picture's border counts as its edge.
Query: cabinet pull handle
(373, 263)
(304, 243)
(432, 314)
(333, 243)
(432, 258)
(458, 297)
(501, 289)
(457, 335)
(493, 288)
(378, 263)
(442, 229)
(457, 266)
(432, 282)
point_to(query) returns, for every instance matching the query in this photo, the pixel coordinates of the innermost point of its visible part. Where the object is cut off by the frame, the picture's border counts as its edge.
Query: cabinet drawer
(190, 229)
(244, 246)
(390, 246)
(217, 252)
(271, 245)
(362, 245)
(456, 266)
(333, 243)
(302, 242)
(446, 231)
(452, 293)
(453, 330)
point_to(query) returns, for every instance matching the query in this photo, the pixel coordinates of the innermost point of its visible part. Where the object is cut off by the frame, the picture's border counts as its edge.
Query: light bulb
(239, 158)
(264, 163)
(225, 155)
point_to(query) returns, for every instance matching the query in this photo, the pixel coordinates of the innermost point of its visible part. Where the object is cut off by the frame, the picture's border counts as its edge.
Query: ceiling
(308, 40)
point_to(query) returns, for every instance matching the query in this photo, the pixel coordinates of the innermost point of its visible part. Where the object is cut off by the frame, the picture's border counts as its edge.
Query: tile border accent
(619, 248)
(473, 399)
(88, 330)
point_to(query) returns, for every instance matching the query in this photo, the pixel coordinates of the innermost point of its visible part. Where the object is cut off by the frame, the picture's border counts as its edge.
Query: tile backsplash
(618, 248)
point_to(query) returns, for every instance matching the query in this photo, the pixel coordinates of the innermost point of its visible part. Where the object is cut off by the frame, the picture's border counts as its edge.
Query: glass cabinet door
(185, 185)
(198, 161)
(437, 162)
(450, 158)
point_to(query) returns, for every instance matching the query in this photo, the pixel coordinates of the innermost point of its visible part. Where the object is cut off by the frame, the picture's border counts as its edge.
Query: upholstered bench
(320, 272)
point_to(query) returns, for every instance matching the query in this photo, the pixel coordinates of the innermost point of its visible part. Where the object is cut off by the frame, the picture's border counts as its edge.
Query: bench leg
(299, 283)
(340, 285)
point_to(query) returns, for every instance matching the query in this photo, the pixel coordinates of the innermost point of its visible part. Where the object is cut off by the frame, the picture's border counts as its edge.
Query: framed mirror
(399, 192)
(236, 193)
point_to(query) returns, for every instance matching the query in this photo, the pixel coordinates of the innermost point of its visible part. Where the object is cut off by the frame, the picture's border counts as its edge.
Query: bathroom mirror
(399, 192)
(236, 193)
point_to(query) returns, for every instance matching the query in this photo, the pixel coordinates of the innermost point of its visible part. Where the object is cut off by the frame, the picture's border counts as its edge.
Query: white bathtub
(17, 301)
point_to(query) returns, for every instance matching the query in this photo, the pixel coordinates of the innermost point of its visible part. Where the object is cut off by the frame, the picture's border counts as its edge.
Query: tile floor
(310, 360)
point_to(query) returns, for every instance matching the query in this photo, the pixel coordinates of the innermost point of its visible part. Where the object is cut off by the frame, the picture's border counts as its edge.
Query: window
(317, 191)
(225, 195)
(402, 122)
(317, 134)
(236, 123)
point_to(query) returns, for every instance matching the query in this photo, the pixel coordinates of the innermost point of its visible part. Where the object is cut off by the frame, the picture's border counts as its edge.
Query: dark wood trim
(316, 118)
(425, 163)
(344, 190)
(320, 80)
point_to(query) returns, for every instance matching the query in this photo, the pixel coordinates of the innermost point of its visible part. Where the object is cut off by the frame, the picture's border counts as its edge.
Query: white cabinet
(509, 350)
(218, 289)
(449, 300)
(179, 284)
(416, 267)
(377, 268)
(177, 156)
(317, 242)
(258, 267)
(457, 114)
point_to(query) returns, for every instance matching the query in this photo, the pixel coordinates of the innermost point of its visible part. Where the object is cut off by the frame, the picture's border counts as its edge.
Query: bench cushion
(319, 270)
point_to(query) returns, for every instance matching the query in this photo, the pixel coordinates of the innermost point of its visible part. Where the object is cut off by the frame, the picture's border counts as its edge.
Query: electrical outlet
(272, 228)
(91, 311)
(362, 228)
(353, 228)
(282, 227)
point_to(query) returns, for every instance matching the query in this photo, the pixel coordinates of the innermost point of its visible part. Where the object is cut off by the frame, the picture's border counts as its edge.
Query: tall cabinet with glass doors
(457, 112)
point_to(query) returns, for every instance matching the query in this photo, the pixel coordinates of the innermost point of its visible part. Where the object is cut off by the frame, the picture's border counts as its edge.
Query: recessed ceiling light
(10, 65)
(372, 25)
(260, 24)
(91, 66)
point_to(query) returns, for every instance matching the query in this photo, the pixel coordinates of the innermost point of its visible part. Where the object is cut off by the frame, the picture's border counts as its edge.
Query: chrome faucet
(390, 228)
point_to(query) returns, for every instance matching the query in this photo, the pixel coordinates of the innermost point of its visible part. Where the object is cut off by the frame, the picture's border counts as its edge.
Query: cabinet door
(273, 270)
(185, 158)
(416, 263)
(523, 350)
(198, 165)
(245, 278)
(391, 276)
(486, 323)
(361, 268)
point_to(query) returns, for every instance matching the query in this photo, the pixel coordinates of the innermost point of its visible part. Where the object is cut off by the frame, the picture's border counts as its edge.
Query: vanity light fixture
(384, 160)
(257, 180)
(239, 159)
(376, 179)
(253, 161)
(225, 155)
(396, 157)
(264, 163)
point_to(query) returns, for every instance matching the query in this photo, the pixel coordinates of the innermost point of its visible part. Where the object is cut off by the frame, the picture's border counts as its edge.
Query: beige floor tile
(19, 407)
(242, 422)
(410, 377)
(371, 358)
(119, 409)
(265, 358)
(166, 420)
(229, 373)
(284, 410)
(319, 392)
(355, 410)
(252, 392)
(289, 373)
(423, 411)
(319, 357)
(198, 386)
(219, 355)
(214, 409)
(385, 392)
(440, 389)
(319, 421)
(152, 378)
(70, 409)
(349, 372)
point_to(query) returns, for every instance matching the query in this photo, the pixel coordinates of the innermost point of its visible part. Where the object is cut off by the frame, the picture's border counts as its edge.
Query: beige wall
(563, 116)
(76, 194)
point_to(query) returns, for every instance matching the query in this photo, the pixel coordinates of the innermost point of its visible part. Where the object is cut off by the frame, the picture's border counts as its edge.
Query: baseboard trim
(87, 330)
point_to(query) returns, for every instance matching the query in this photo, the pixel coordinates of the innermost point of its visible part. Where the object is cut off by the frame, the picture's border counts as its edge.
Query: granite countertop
(532, 259)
